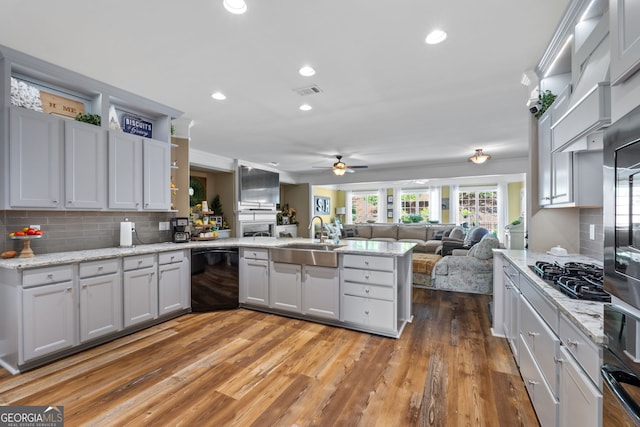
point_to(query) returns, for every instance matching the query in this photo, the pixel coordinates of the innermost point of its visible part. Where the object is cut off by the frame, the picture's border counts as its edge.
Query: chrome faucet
(321, 227)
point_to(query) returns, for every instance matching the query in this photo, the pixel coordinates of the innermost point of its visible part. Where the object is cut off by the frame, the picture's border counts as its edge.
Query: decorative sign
(60, 106)
(134, 125)
(321, 205)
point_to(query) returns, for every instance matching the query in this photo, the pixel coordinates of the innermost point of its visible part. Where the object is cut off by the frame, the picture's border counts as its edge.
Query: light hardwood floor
(243, 368)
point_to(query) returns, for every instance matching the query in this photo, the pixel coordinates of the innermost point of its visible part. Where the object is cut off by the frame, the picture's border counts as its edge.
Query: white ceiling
(389, 100)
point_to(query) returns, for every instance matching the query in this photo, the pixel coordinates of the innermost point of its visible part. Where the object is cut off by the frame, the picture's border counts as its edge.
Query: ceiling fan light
(237, 7)
(479, 157)
(339, 168)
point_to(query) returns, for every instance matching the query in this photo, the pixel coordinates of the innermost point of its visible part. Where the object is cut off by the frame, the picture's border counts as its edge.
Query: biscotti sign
(136, 126)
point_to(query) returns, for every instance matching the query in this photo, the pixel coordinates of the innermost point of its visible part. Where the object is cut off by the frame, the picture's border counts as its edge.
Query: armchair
(471, 273)
(473, 236)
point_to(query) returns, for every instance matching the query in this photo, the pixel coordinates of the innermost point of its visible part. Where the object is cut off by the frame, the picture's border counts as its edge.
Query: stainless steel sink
(320, 254)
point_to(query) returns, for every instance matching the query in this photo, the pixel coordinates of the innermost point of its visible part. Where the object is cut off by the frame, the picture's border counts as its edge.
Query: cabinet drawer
(368, 262)
(512, 274)
(170, 257)
(544, 403)
(547, 310)
(47, 275)
(582, 348)
(383, 278)
(373, 313)
(542, 342)
(368, 291)
(255, 253)
(98, 268)
(141, 261)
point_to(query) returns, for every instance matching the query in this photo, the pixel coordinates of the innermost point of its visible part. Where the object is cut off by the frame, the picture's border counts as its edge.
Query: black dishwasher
(214, 279)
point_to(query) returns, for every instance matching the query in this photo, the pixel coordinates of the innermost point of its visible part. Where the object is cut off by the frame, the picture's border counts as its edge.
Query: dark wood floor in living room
(243, 368)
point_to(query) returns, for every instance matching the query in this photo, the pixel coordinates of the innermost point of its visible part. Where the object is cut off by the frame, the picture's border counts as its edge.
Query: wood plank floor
(245, 368)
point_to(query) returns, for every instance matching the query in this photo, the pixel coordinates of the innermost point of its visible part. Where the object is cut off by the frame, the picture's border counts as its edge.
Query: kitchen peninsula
(57, 304)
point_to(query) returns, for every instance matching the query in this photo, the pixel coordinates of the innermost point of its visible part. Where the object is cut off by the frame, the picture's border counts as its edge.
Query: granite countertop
(586, 315)
(347, 246)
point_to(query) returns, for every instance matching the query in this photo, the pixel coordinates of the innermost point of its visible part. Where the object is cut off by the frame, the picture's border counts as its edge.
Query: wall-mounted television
(258, 186)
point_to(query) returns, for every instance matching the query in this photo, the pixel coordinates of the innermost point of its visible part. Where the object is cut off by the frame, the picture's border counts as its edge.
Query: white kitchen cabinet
(49, 315)
(85, 152)
(254, 276)
(100, 298)
(125, 171)
(285, 287)
(156, 175)
(544, 159)
(369, 292)
(581, 400)
(35, 164)
(140, 289)
(321, 292)
(173, 281)
(511, 308)
(561, 177)
(624, 16)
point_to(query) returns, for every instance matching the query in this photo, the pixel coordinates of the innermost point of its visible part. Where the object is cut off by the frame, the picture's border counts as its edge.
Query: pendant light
(479, 157)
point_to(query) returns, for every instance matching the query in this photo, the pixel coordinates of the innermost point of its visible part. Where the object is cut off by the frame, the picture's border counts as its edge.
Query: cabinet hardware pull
(68, 289)
(366, 312)
(367, 290)
(533, 334)
(532, 382)
(366, 262)
(366, 276)
(557, 359)
(50, 276)
(572, 343)
(84, 286)
(100, 267)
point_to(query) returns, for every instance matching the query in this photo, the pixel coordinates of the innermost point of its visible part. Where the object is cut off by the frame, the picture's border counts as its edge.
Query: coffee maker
(179, 229)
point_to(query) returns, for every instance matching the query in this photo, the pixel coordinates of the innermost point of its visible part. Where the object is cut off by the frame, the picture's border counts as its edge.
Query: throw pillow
(438, 234)
(484, 249)
(350, 232)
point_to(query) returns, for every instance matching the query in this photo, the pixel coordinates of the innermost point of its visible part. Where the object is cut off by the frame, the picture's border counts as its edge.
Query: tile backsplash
(592, 248)
(70, 230)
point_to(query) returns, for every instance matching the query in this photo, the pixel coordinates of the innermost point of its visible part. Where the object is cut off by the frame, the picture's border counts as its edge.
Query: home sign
(137, 126)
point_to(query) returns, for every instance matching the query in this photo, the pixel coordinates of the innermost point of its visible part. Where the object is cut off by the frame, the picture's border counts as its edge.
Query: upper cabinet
(51, 161)
(625, 39)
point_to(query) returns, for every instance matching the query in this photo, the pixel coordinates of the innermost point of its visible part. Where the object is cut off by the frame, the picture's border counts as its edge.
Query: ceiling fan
(339, 168)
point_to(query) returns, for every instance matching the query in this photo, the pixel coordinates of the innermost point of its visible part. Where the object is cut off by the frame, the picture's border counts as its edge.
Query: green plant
(545, 100)
(93, 119)
(516, 222)
(173, 129)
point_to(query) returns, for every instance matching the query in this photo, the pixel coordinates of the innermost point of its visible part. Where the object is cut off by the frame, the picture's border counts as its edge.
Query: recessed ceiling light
(307, 71)
(305, 107)
(435, 37)
(218, 96)
(236, 7)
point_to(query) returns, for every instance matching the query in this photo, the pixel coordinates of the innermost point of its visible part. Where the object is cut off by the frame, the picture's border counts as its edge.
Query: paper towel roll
(126, 237)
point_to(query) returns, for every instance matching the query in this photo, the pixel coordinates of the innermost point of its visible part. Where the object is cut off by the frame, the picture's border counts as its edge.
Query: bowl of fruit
(26, 234)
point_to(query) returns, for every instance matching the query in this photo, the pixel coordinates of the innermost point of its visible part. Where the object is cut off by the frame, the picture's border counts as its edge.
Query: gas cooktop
(576, 279)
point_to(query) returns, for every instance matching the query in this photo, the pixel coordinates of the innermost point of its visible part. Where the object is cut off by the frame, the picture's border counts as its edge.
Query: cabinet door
(100, 306)
(562, 177)
(544, 159)
(285, 287)
(321, 292)
(512, 315)
(125, 171)
(625, 39)
(580, 400)
(85, 151)
(157, 175)
(140, 296)
(254, 282)
(171, 287)
(35, 169)
(49, 319)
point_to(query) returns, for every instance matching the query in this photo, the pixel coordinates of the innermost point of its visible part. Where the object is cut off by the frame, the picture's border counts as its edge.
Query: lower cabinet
(48, 318)
(140, 285)
(254, 276)
(581, 399)
(100, 298)
(285, 287)
(173, 280)
(321, 292)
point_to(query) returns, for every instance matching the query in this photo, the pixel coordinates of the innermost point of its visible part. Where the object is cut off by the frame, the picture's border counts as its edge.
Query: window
(479, 207)
(364, 207)
(414, 205)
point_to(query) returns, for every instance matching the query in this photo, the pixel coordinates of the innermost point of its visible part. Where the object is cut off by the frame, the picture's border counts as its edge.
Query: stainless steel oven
(621, 368)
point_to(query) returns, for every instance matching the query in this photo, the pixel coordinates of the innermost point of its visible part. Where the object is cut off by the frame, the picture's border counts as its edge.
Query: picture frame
(390, 214)
(321, 205)
(389, 199)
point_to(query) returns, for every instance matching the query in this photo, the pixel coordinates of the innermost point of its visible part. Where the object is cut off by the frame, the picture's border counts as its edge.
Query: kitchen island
(53, 305)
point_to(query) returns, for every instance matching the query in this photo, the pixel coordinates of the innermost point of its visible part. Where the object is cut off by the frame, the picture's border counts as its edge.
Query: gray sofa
(427, 237)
